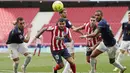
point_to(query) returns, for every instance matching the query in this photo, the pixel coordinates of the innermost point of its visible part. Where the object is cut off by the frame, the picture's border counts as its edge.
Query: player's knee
(71, 62)
(112, 60)
(16, 59)
(29, 56)
(92, 56)
(122, 51)
(61, 65)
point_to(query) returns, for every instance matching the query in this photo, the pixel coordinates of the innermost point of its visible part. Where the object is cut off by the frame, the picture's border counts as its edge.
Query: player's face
(129, 17)
(21, 24)
(98, 16)
(64, 14)
(92, 21)
(61, 25)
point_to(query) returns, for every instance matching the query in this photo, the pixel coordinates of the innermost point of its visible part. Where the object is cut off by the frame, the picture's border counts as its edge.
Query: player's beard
(98, 19)
(61, 28)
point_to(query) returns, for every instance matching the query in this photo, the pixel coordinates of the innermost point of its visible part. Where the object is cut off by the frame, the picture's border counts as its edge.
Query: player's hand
(92, 48)
(50, 28)
(59, 38)
(75, 29)
(83, 36)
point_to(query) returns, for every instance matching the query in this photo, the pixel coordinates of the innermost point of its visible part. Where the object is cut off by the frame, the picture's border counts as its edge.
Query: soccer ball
(57, 6)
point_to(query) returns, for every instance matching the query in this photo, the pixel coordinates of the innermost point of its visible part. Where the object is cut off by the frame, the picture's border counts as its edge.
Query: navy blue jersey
(126, 31)
(106, 33)
(68, 25)
(15, 36)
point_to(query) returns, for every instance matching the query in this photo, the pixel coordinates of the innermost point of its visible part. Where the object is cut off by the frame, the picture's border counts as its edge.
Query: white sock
(92, 64)
(67, 67)
(15, 67)
(118, 65)
(120, 57)
(27, 60)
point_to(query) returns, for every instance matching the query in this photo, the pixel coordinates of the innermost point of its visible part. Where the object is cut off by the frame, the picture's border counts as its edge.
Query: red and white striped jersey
(91, 41)
(58, 44)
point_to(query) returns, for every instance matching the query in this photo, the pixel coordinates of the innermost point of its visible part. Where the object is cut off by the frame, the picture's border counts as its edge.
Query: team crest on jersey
(21, 36)
(19, 31)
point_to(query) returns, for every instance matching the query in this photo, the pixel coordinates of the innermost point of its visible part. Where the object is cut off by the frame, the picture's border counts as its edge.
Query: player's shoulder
(125, 23)
(102, 22)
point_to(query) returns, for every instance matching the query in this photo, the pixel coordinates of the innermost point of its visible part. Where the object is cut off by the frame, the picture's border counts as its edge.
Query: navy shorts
(57, 55)
(39, 46)
(89, 52)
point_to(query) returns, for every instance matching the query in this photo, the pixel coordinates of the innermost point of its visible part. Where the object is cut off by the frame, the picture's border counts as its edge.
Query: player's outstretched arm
(43, 29)
(77, 29)
(26, 40)
(96, 32)
(120, 36)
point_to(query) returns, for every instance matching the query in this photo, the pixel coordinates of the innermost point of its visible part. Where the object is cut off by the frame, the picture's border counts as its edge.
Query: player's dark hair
(92, 16)
(61, 11)
(19, 19)
(61, 20)
(100, 12)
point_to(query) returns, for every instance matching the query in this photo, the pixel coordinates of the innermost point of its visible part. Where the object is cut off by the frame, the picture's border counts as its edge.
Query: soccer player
(58, 48)
(68, 44)
(16, 45)
(38, 45)
(125, 43)
(89, 28)
(108, 43)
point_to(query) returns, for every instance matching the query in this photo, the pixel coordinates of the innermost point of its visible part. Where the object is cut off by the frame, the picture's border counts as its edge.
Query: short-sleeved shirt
(68, 25)
(58, 44)
(15, 36)
(88, 29)
(106, 33)
(126, 31)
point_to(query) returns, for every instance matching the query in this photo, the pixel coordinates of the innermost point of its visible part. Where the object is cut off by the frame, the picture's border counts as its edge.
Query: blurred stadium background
(39, 13)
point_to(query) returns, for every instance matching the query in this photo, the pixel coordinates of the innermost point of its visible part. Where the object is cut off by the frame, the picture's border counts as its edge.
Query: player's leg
(99, 50)
(68, 57)
(40, 46)
(88, 53)
(122, 48)
(111, 53)
(70, 48)
(35, 50)
(57, 56)
(23, 50)
(14, 56)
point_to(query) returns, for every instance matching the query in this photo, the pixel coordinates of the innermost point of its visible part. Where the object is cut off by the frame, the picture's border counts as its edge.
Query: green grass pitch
(45, 62)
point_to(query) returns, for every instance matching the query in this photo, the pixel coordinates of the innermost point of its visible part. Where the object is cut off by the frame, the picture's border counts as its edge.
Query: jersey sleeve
(101, 24)
(50, 28)
(123, 26)
(68, 24)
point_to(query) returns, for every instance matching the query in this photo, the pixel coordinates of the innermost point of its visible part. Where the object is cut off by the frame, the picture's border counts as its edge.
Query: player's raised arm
(42, 30)
(120, 35)
(77, 29)
(26, 40)
(96, 32)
